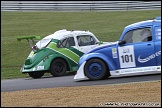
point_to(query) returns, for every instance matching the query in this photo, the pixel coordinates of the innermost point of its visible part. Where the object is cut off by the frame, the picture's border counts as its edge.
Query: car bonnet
(109, 44)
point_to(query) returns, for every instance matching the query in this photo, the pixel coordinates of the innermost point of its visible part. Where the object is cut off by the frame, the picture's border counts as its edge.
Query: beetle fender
(107, 60)
(80, 75)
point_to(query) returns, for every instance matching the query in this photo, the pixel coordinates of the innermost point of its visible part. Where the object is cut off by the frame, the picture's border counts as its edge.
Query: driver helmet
(145, 34)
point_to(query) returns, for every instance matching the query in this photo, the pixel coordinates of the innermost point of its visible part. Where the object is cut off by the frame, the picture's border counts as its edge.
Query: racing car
(137, 52)
(57, 53)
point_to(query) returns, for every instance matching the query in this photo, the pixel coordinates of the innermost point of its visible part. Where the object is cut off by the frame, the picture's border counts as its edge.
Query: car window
(85, 40)
(67, 42)
(138, 35)
(43, 43)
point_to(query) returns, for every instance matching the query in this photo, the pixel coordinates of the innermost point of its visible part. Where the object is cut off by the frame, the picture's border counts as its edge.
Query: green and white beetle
(58, 53)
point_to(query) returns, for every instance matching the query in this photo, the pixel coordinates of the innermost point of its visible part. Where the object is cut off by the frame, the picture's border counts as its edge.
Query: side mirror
(122, 42)
(100, 42)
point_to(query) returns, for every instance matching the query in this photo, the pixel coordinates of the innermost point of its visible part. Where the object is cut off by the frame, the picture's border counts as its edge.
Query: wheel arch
(107, 60)
(68, 67)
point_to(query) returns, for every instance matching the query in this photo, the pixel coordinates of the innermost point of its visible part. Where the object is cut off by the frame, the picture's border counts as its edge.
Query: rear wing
(28, 37)
(30, 40)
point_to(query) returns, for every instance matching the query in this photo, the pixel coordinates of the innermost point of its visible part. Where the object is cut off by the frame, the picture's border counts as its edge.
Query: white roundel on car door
(126, 56)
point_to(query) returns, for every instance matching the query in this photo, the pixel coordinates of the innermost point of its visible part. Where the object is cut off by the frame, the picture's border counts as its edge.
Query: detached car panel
(138, 51)
(58, 52)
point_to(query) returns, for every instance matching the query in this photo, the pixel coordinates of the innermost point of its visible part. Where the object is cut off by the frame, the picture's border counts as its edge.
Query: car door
(86, 43)
(157, 38)
(136, 53)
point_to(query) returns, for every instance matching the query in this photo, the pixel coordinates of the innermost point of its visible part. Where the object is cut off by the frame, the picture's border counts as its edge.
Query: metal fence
(79, 5)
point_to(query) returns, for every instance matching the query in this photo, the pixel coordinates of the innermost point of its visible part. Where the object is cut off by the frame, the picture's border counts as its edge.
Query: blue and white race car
(138, 51)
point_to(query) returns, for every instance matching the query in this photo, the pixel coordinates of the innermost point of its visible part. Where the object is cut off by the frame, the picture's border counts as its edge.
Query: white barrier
(79, 5)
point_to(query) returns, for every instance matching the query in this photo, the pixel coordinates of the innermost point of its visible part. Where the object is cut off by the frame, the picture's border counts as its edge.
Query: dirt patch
(145, 93)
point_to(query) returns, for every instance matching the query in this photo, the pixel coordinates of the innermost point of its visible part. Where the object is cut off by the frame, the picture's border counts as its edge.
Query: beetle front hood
(110, 44)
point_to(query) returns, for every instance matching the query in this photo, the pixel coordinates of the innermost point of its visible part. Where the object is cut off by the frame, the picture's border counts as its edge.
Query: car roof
(63, 33)
(144, 23)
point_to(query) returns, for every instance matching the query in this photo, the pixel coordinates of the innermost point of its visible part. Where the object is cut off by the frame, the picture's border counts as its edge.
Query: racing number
(126, 56)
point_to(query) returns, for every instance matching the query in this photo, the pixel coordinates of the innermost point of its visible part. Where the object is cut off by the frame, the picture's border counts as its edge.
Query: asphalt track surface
(68, 81)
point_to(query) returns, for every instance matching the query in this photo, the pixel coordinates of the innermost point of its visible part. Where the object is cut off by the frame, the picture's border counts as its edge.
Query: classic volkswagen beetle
(138, 51)
(58, 53)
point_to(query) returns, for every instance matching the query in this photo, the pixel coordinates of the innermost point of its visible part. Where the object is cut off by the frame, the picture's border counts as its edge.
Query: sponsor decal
(114, 53)
(143, 69)
(149, 57)
(40, 67)
(126, 56)
(31, 54)
(158, 33)
(125, 50)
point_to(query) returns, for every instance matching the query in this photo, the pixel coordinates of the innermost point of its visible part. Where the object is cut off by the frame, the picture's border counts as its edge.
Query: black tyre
(58, 67)
(36, 75)
(96, 69)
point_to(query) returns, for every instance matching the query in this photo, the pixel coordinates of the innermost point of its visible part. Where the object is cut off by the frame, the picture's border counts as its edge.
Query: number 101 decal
(126, 56)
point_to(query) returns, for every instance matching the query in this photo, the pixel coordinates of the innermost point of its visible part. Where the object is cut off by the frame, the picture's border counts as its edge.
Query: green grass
(107, 26)
(9, 73)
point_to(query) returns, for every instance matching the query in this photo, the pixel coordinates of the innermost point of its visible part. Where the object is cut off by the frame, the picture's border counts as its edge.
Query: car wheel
(96, 69)
(58, 67)
(36, 74)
